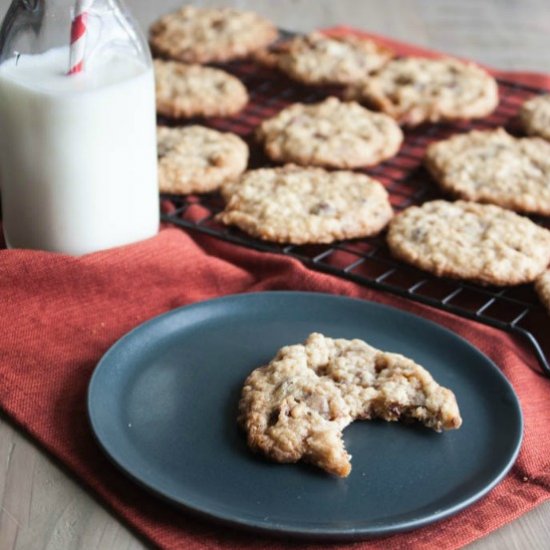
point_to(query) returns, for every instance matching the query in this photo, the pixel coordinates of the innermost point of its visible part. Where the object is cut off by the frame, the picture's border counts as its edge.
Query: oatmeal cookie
(466, 240)
(332, 134)
(318, 59)
(185, 91)
(414, 90)
(535, 116)
(195, 159)
(296, 407)
(494, 167)
(542, 286)
(206, 35)
(305, 205)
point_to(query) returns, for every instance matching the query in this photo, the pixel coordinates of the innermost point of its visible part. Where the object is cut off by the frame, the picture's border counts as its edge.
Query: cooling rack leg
(541, 357)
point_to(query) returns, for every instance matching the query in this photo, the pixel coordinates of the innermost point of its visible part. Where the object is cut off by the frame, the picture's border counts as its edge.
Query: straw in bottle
(78, 36)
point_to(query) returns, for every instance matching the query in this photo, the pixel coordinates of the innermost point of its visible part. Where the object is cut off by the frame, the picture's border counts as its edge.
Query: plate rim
(306, 532)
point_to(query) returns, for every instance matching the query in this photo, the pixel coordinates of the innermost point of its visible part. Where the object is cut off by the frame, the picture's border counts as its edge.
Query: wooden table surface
(40, 506)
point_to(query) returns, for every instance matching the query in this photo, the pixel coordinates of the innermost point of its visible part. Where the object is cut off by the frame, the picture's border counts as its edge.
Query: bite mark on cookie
(295, 408)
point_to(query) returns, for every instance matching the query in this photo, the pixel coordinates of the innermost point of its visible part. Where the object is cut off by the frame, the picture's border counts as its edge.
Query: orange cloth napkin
(60, 314)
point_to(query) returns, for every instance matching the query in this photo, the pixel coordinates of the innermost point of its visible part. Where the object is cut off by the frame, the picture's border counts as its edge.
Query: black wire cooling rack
(368, 261)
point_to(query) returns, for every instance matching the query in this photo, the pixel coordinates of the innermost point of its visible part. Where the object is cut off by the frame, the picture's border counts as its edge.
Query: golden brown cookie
(195, 159)
(542, 286)
(414, 90)
(494, 167)
(305, 205)
(466, 240)
(205, 35)
(318, 59)
(185, 91)
(295, 408)
(332, 134)
(535, 116)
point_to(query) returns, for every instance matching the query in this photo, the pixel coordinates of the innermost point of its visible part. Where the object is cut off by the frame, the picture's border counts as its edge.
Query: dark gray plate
(162, 403)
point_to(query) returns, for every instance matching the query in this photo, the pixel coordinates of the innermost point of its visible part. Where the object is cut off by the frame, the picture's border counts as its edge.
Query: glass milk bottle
(78, 164)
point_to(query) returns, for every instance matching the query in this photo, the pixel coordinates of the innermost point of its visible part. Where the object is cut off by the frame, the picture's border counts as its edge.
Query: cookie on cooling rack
(534, 116)
(542, 286)
(305, 205)
(332, 134)
(185, 91)
(206, 35)
(414, 90)
(195, 159)
(466, 240)
(494, 167)
(318, 59)
(295, 408)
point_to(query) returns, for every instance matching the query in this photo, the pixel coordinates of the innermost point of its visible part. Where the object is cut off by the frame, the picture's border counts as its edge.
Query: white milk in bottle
(78, 164)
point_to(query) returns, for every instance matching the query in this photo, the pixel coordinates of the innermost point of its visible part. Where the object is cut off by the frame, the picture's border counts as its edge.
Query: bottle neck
(33, 27)
(20, 14)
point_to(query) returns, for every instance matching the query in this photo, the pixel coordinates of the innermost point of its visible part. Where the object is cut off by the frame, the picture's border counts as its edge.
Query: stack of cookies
(373, 99)
(196, 159)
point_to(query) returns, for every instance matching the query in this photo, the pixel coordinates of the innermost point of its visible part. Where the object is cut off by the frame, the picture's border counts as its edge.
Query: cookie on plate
(466, 240)
(295, 407)
(535, 116)
(332, 134)
(318, 59)
(494, 167)
(185, 91)
(305, 205)
(206, 35)
(195, 159)
(414, 90)
(542, 286)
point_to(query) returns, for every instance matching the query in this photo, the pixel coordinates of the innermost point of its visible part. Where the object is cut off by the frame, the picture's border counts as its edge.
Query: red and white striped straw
(78, 36)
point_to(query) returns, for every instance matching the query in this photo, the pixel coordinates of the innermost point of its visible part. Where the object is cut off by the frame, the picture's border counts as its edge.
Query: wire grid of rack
(368, 261)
